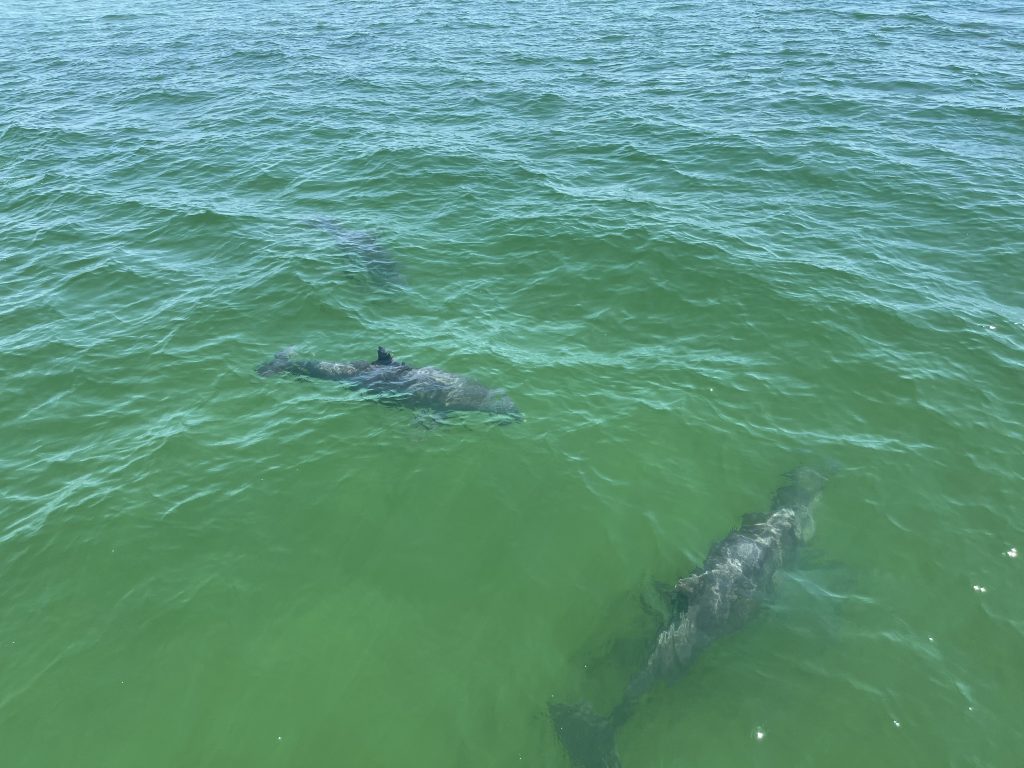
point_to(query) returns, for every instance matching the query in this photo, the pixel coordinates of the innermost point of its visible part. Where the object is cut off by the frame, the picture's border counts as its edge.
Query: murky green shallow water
(698, 244)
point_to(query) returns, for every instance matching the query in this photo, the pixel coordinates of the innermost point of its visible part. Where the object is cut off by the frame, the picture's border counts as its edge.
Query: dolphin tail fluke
(588, 738)
(278, 364)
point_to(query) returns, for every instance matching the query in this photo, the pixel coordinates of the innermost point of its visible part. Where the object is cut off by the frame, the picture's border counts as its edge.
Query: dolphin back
(395, 383)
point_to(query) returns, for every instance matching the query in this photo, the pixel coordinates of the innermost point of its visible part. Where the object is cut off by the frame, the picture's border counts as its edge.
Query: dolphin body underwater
(713, 601)
(365, 254)
(399, 384)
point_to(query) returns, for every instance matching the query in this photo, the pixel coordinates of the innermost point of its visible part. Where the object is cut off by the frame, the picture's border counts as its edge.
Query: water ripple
(698, 245)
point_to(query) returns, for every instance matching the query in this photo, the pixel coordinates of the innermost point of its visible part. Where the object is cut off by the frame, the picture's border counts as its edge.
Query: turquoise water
(699, 245)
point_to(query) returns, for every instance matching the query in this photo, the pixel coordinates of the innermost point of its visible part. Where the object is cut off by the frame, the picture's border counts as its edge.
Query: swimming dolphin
(400, 384)
(714, 600)
(366, 254)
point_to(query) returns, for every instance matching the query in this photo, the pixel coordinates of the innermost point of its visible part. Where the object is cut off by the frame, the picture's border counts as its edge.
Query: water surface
(698, 244)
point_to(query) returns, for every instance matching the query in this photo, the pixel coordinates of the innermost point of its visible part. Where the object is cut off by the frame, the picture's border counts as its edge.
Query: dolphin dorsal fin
(384, 357)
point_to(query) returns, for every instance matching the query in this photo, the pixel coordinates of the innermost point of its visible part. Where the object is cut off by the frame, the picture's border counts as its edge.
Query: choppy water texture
(698, 243)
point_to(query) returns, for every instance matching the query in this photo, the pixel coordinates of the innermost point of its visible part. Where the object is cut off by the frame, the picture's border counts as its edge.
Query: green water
(699, 245)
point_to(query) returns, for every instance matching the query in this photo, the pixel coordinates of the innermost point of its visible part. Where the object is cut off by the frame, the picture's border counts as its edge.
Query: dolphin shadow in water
(395, 383)
(366, 255)
(716, 599)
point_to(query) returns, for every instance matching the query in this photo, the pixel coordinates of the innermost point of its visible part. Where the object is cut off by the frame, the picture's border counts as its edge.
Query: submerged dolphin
(714, 600)
(401, 384)
(366, 254)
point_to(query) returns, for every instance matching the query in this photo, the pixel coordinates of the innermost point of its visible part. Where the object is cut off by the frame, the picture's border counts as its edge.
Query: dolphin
(366, 253)
(399, 384)
(714, 600)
